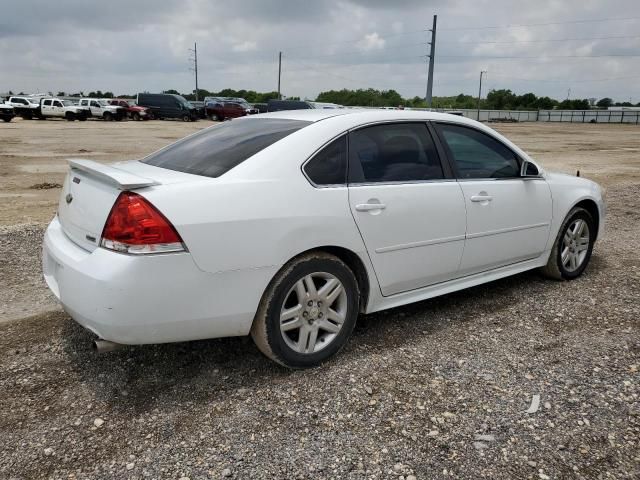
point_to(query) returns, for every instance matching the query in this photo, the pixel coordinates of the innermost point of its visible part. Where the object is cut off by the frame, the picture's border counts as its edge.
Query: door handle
(367, 207)
(481, 198)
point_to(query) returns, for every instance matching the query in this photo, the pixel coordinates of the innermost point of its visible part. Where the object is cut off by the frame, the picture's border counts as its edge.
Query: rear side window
(329, 165)
(477, 155)
(397, 152)
(216, 150)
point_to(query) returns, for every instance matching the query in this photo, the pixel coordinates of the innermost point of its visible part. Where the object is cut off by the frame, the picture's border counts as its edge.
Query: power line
(384, 36)
(482, 42)
(364, 52)
(582, 80)
(493, 57)
(567, 22)
(370, 61)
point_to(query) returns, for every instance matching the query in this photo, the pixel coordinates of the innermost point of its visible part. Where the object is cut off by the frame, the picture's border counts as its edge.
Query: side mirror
(529, 170)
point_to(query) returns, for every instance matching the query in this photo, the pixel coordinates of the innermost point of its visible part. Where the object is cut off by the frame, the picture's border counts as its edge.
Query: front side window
(397, 152)
(477, 155)
(216, 150)
(57, 104)
(329, 165)
(47, 103)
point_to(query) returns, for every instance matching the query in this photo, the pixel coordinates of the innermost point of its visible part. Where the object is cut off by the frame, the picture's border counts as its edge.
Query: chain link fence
(571, 116)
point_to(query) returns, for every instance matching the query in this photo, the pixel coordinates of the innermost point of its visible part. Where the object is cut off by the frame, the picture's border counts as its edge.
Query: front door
(411, 218)
(508, 217)
(57, 108)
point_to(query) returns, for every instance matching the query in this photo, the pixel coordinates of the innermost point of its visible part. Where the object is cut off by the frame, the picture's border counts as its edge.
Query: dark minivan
(166, 105)
(279, 105)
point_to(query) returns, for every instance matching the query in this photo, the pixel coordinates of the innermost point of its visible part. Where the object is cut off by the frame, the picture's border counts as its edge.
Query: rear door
(409, 211)
(46, 108)
(508, 217)
(231, 110)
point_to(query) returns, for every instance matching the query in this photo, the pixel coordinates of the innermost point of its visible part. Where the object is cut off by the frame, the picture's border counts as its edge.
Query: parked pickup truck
(26, 107)
(102, 109)
(56, 107)
(6, 112)
(135, 112)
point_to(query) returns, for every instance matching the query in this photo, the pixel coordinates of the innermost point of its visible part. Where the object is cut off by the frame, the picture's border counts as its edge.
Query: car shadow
(143, 378)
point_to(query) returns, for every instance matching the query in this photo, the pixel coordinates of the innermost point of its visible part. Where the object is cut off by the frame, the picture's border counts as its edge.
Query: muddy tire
(573, 246)
(308, 311)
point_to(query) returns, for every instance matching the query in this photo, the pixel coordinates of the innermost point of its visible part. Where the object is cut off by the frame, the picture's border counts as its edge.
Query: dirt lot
(438, 389)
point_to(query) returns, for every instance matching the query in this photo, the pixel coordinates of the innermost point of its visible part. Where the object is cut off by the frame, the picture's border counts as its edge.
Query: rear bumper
(150, 298)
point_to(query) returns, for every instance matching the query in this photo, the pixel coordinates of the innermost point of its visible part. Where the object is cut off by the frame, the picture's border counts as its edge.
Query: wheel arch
(592, 207)
(352, 260)
(355, 263)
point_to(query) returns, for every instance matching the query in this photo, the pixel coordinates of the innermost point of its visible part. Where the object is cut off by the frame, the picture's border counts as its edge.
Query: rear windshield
(216, 150)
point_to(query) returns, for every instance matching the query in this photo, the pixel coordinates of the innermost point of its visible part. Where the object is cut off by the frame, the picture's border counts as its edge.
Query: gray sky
(137, 45)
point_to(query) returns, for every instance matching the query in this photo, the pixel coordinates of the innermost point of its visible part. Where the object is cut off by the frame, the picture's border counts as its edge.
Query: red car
(134, 111)
(221, 110)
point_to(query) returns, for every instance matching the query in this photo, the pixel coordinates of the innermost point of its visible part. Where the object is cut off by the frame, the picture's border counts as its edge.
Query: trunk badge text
(69, 198)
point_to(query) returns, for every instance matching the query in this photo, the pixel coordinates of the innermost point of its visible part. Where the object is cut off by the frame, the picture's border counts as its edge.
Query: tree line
(503, 99)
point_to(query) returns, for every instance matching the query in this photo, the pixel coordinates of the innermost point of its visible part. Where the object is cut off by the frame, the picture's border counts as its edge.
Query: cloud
(371, 41)
(245, 46)
(125, 46)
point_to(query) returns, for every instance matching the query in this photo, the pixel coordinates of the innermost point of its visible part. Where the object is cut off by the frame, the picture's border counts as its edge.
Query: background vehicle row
(146, 106)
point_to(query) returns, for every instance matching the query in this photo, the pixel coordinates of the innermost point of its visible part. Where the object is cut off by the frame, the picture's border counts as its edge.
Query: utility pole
(279, 73)
(480, 92)
(432, 60)
(195, 65)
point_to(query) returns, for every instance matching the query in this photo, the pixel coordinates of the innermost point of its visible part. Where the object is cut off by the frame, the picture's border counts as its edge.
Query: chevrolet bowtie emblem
(69, 198)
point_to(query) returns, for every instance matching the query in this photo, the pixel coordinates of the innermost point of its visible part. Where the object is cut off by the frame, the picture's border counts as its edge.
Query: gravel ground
(437, 389)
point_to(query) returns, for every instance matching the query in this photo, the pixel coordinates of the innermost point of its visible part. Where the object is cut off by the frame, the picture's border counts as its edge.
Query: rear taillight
(135, 226)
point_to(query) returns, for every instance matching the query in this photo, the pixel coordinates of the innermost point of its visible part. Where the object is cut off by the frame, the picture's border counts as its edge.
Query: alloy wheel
(575, 245)
(313, 312)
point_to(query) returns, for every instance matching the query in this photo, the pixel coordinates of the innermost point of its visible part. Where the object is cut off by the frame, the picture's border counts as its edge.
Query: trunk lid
(91, 188)
(89, 191)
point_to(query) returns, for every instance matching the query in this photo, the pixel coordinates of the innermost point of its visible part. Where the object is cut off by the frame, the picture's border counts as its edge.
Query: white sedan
(286, 226)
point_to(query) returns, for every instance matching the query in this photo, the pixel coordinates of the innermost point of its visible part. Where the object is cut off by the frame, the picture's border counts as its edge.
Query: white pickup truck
(6, 112)
(26, 107)
(56, 107)
(102, 109)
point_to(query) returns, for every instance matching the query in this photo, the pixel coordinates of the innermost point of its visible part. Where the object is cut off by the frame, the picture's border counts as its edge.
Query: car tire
(299, 325)
(219, 118)
(70, 117)
(7, 119)
(572, 247)
(108, 117)
(186, 118)
(136, 116)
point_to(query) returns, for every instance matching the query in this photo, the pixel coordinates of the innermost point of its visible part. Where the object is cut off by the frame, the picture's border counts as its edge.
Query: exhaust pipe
(103, 346)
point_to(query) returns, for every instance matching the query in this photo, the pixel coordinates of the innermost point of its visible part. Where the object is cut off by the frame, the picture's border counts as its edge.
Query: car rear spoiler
(109, 174)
